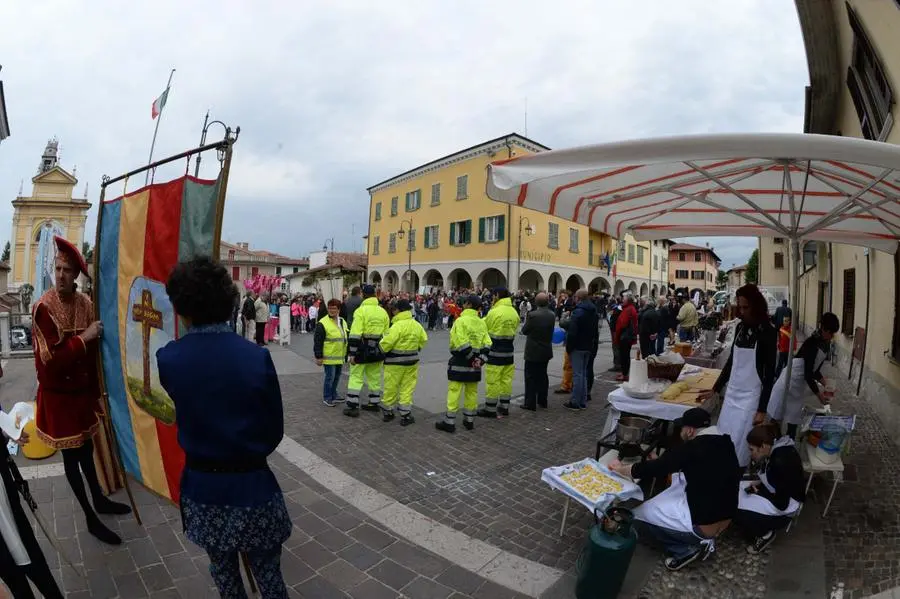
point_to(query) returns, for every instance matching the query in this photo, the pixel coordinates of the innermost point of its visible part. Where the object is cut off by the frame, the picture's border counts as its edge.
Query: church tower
(49, 210)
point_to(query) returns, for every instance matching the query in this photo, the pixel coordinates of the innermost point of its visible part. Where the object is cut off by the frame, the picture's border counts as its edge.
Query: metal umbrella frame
(796, 186)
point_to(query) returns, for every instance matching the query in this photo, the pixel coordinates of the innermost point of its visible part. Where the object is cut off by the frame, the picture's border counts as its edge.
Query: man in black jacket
(708, 475)
(353, 302)
(538, 329)
(648, 327)
(582, 339)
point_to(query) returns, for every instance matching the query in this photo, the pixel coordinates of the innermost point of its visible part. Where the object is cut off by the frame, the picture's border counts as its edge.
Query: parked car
(20, 334)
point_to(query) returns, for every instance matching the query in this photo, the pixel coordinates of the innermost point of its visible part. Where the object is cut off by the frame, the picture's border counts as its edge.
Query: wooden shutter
(501, 226)
(590, 252)
(467, 238)
(427, 237)
(452, 233)
(480, 229)
(849, 304)
(235, 273)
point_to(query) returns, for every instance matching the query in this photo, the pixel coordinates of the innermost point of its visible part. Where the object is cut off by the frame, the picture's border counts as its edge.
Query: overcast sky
(332, 97)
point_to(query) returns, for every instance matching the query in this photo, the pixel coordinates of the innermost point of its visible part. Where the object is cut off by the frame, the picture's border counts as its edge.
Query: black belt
(226, 466)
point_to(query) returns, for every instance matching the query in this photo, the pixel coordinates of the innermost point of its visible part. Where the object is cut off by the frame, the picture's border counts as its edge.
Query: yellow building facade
(853, 53)
(434, 227)
(50, 205)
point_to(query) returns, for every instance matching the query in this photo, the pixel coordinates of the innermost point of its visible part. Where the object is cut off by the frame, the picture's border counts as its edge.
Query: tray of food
(590, 483)
(646, 390)
(686, 391)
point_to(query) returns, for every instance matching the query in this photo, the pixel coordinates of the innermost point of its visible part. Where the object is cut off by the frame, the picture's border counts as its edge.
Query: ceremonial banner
(141, 236)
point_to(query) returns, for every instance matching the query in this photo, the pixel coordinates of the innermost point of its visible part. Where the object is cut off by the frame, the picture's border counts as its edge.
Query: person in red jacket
(626, 333)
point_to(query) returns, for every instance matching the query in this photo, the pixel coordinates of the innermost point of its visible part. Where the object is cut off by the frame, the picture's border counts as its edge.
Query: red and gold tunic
(68, 396)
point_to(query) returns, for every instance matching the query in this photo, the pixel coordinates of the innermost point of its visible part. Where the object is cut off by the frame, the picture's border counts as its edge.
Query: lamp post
(206, 125)
(401, 233)
(529, 230)
(328, 241)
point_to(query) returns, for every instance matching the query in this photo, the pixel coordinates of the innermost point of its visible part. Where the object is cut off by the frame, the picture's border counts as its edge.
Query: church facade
(50, 210)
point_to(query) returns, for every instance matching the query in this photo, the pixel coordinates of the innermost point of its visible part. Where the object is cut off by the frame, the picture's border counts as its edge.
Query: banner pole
(156, 128)
(107, 417)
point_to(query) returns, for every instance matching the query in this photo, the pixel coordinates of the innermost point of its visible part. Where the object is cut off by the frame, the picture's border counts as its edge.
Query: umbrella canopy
(797, 186)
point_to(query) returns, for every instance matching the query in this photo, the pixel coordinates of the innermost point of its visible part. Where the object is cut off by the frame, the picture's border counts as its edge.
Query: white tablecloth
(620, 402)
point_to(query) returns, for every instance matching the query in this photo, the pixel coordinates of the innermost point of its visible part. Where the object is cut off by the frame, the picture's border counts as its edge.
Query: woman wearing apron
(788, 399)
(749, 374)
(768, 505)
(700, 503)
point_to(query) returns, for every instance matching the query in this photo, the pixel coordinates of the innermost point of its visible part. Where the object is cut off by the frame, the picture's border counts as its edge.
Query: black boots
(443, 426)
(406, 420)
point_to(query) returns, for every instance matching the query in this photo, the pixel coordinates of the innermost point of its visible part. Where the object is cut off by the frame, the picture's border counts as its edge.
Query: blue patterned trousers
(265, 564)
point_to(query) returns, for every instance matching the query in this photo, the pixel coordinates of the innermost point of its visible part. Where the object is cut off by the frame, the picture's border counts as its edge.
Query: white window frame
(492, 229)
(414, 200)
(432, 236)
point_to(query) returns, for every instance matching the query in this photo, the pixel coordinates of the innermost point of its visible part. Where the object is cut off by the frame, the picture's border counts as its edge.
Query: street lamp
(529, 230)
(400, 233)
(206, 125)
(325, 245)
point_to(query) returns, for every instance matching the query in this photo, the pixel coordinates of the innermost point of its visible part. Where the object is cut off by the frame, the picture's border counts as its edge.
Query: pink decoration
(263, 283)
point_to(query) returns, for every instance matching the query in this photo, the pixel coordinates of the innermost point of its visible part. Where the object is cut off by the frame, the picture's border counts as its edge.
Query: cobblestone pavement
(335, 551)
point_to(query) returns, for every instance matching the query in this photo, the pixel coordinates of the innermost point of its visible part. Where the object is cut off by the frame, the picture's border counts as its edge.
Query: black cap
(473, 300)
(695, 418)
(403, 305)
(500, 292)
(368, 289)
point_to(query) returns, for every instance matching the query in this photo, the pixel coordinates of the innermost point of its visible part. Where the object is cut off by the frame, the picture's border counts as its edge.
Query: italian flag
(159, 104)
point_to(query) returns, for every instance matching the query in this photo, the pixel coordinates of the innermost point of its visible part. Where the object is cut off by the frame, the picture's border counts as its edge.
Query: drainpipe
(508, 233)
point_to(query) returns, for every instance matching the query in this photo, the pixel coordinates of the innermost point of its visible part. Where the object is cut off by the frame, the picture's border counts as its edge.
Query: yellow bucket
(35, 449)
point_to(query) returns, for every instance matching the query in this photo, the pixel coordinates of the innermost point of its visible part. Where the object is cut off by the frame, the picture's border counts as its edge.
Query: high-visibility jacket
(370, 323)
(469, 340)
(334, 349)
(403, 340)
(502, 322)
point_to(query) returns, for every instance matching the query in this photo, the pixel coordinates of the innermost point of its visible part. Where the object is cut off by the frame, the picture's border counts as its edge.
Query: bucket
(829, 389)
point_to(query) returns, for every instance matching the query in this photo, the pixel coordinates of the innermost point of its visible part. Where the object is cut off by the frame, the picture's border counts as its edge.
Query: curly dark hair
(202, 290)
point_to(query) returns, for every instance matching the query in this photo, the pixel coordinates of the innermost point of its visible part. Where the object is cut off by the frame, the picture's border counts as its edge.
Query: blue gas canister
(559, 336)
(604, 561)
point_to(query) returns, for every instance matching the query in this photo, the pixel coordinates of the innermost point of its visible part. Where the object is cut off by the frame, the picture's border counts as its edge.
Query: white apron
(10, 532)
(786, 404)
(761, 505)
(670, 510)
(741, 400)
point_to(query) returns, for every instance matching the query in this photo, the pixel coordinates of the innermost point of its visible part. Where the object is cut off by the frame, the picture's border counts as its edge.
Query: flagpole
(156, 128)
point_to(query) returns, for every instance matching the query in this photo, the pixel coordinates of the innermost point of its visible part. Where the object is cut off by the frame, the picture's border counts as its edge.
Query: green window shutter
(468, 234)
(406, 198)
(427, 237)
(481, 230)
(452, 233)
(590, 252)
(501, 226)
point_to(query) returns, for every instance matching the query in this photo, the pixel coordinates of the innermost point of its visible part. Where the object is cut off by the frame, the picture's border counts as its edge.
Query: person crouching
(704, 471)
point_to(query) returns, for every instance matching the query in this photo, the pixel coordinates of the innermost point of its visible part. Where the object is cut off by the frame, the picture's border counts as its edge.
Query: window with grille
(779, 260)
(394, 201)
(553, 236)
(640, 255)
(376, 245)
(778, 240)
(235, 273)
(431, 237)
(681, 274)
(392, 243)
(461, 232)
(655, 262)
(277, 271)
(462, 187)
(435, 194)
(591, 252)
(682, 257)
(631, 252)
(867, 82)
(378, 211)
(621, 250)
(697, 275)
(573, 239)
(849, 306)
(413, 200)
(411, 240)
(698, 257)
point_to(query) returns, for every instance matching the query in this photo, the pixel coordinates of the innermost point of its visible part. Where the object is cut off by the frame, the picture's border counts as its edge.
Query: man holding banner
(68, 414)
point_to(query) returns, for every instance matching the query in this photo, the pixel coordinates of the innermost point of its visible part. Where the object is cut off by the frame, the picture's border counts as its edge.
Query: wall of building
(707, 264)
(770, 273)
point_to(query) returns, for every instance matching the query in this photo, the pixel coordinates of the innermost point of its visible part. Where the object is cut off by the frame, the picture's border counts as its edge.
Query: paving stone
(101, 584)
(130, 585)
(180, 565)
(156, 578)
(314, 555)
(392, 574)
(311, 524)
(333, 539)
(460, 579)
(320, 588)
(342, 574)
(372, 589)
(323, 508)
(165, 540)
(360, 556)
(425, 588)
(143, 552)
(294, 569)
(416, 559)
(373, 537)
(345, 520)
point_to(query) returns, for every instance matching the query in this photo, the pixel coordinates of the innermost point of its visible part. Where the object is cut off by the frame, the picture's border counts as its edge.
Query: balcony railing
(245, 258)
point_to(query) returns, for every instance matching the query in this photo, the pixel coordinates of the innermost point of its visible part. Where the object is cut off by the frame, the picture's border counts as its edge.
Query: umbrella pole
(794, 257)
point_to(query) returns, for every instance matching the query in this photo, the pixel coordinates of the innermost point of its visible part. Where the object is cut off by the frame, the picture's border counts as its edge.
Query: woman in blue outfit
(230, 418)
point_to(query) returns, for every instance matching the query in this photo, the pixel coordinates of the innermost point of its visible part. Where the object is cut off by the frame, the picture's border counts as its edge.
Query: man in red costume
(68, 398)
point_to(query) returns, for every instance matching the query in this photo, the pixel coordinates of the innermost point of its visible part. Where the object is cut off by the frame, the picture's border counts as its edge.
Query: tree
(721, 279)
(6, 249)
(752, 272)
(87, 251)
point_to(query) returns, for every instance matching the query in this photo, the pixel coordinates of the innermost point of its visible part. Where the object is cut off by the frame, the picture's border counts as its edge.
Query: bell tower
(51, 156)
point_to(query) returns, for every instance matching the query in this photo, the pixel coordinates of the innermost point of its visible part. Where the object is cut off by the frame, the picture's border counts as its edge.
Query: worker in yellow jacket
(469, 347)
(401, 346)
(502, 322)
(370, 323)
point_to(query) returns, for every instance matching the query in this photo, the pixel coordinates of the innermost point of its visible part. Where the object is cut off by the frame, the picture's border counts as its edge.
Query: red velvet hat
(63, 246)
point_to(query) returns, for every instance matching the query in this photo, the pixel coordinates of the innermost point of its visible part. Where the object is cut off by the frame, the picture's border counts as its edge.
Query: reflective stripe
(461, 348)
(341, 358)
(335, 339)
(502, 337)
(403, 352)
(501, 354)
(355, 336)
(372, 337)
(463, 369)
(401, 361)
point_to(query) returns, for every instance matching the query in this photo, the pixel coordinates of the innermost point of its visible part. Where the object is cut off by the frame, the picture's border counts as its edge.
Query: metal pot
(632, 429)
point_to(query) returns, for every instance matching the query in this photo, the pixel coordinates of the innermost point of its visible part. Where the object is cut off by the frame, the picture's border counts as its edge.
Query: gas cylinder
(604, 561)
